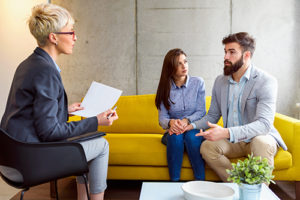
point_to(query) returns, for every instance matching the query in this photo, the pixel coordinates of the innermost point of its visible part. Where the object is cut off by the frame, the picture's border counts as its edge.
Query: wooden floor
(123, 190)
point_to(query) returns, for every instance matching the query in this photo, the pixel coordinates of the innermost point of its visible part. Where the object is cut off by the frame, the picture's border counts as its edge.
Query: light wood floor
(117, 190)
(6, 191)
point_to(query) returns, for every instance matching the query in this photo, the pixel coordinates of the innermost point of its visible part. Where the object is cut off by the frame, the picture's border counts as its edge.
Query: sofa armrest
(289, 129)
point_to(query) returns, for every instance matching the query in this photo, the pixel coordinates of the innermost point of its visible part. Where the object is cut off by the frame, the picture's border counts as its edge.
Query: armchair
(39, 163)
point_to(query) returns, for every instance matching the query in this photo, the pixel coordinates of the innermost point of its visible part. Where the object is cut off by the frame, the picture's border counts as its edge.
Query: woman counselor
(37, 106)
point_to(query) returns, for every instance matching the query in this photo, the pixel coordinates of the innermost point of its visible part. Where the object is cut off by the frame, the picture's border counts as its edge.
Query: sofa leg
(52, 189)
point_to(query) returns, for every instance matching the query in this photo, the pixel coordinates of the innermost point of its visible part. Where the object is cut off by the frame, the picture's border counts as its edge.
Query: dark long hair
(169, 68)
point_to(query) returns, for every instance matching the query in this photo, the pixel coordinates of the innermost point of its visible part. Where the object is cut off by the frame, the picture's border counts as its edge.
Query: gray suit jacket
(37, 105)
(257, 109)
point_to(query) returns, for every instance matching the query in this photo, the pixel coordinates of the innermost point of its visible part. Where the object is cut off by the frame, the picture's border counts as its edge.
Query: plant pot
(249, 192)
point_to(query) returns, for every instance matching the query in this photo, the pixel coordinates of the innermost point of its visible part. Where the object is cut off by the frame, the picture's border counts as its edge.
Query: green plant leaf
(253, 170)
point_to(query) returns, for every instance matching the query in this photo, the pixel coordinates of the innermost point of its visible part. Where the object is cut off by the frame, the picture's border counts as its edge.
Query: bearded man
(245, 97)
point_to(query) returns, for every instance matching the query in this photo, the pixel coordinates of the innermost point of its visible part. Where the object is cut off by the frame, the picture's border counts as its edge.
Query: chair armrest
(50, 161)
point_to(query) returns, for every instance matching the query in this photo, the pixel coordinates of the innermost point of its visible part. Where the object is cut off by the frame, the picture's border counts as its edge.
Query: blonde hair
(46, 19)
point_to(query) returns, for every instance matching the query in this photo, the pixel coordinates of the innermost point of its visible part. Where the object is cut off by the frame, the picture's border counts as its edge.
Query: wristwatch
(189, 121)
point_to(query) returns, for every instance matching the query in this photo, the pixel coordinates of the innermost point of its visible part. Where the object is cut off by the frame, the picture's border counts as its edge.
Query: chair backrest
(40, 162)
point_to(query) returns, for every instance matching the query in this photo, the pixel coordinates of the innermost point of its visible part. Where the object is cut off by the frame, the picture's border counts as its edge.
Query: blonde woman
(37, 110)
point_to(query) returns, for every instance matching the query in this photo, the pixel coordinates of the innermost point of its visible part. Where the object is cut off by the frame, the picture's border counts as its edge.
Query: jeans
(175, 151)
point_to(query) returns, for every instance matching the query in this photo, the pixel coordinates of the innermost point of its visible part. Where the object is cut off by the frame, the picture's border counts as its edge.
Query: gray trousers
(96, 152)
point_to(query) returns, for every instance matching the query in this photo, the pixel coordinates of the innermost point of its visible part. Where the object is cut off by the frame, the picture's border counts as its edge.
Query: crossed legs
(217, 153)
(96, 152)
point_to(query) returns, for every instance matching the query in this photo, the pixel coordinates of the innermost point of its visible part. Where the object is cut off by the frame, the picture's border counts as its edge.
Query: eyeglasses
(68, 33)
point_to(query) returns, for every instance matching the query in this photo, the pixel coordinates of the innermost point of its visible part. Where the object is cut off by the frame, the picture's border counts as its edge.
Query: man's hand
(74, 107)
(102, 117)
(215, 132)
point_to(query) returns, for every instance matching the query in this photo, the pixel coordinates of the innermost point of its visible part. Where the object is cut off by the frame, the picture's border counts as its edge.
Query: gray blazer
(257, 109)
(37, 105)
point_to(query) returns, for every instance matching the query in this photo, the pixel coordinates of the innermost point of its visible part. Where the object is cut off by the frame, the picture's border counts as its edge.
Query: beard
(230, 69)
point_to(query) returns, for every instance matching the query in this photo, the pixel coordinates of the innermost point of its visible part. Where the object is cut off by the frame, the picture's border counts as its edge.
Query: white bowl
(205, 190)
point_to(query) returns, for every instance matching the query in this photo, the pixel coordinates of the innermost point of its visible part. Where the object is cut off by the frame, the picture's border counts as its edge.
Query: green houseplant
(249, 175)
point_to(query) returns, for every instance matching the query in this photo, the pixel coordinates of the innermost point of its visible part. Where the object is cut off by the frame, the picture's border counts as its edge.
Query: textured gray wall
(105, 49)
(194, 26)
(274, 27)
(122, 43)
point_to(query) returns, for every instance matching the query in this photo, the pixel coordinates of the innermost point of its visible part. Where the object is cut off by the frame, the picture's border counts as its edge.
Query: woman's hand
(176, 127)
(188, 127)
(105, 120)
(74, 107)
(184, 122)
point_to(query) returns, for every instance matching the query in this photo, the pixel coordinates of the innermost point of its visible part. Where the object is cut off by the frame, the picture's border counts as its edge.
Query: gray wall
(122, 43)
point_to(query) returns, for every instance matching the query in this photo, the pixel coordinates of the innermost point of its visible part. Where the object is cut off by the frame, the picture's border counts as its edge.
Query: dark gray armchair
(39, 163)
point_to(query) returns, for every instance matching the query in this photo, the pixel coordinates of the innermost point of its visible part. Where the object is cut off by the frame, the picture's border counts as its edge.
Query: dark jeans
(175, 150)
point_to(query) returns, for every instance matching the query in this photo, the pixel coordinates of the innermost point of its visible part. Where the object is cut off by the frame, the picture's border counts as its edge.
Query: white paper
(98, 99)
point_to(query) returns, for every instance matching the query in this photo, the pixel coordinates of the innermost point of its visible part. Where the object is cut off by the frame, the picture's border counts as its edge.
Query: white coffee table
(173, 191)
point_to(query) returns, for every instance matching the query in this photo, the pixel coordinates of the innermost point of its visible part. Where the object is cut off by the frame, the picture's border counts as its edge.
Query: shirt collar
(44, 54)
(185, 84)
(57, 67)
(245, 76)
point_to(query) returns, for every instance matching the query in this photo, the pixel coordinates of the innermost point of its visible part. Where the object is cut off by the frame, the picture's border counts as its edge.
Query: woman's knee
(175, 139)
(106, 146)
(191, 138)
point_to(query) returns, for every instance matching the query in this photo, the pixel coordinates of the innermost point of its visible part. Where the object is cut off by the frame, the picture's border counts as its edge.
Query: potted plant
(249, 175)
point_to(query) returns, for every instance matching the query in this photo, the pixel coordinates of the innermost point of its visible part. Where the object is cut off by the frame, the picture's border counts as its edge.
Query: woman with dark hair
(180, 100)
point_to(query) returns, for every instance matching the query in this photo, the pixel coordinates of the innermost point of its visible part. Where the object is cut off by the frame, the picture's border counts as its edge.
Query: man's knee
(264, 146)
(261, 145)
(210, 150)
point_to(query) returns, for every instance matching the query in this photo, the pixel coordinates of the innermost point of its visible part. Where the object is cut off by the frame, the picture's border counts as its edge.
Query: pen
(111, 113)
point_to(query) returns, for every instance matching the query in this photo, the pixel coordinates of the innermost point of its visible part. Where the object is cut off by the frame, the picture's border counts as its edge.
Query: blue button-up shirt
(235, 92)
(189, 102)
(57, 67)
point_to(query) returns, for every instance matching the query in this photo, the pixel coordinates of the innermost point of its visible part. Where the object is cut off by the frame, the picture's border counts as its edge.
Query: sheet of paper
(98, 99)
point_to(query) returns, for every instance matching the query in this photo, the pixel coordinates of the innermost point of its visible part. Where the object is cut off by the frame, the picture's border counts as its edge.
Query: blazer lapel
(224, 100)
(248, 87)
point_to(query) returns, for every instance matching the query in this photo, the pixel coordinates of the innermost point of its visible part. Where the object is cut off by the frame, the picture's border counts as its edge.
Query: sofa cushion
(147, 150)
(137, 114)
(136, 149)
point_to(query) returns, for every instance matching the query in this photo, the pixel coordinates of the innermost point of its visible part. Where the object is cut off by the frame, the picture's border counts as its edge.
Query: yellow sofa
(136, 151)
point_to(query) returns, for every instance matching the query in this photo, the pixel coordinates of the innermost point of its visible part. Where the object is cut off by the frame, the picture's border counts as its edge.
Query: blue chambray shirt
(57, 67)
(189, 102)
(235, 92)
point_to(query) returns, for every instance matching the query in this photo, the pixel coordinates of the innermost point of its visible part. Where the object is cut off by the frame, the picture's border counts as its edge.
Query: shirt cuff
(194, 125)
(231, 139)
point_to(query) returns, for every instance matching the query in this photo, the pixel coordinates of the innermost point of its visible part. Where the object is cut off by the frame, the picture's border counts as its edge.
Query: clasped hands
(102, 117)
(178, 126)
(214, 133)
